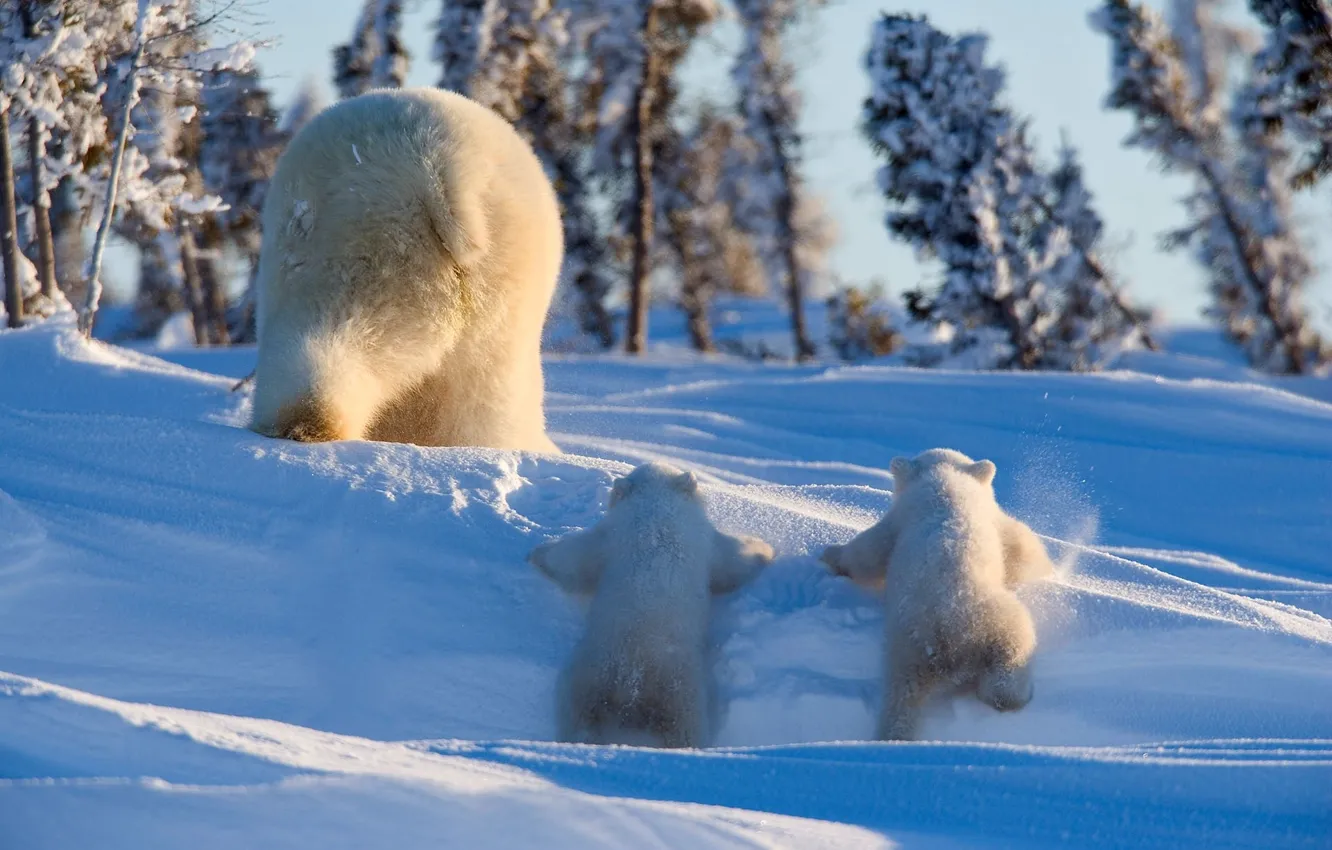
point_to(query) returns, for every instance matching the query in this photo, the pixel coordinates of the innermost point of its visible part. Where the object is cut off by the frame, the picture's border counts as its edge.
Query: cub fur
(639, 674)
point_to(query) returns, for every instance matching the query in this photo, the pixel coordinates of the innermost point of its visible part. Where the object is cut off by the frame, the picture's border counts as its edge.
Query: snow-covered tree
(698, 188)
(769, 104)
(152, 54)
(1295, 94)
(375, 57)
(51, 78)
(38, 53)
(462, 39)
(631, 51)
(308, 102)
(964, 186)
(1240, 220)
(238, 152)
(237, 155)
(1096, 321)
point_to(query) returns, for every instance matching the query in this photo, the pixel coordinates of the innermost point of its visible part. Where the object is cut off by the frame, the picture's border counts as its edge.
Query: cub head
(934, 461)
(654, 478)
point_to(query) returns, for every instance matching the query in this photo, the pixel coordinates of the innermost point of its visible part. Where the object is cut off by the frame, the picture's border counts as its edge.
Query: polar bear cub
(639, 674)
(950, 558)
(411, 246)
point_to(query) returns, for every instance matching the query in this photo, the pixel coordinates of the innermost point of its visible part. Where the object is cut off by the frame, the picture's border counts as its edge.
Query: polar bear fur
(411, 247)
(950, 558)
(639, 674)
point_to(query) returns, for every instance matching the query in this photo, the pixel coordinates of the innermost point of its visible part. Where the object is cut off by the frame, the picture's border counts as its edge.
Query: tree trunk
(41, 210)
(695, 306)
(67, 225)
(695, 292)
(214, 296)
(1285, 327)
(9, 228)
(789, 234)
(1027, 356)
(644, 207)
(88, 313)
(189, 266)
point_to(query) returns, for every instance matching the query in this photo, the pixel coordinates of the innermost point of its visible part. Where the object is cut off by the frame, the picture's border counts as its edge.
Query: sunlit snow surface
(212, 639)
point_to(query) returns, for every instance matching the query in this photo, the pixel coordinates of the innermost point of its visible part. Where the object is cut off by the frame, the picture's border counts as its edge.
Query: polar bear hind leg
(1004, 681)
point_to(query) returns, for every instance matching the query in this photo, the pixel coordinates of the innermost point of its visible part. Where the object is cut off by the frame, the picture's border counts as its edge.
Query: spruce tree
(769, 105)
(1240, 221)
(462, 39)
(375, 57)
(965, 187)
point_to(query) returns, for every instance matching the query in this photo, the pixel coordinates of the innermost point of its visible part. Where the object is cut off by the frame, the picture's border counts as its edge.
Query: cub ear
(901, 468)
(982, 471)
(621, 488)
(686, 483)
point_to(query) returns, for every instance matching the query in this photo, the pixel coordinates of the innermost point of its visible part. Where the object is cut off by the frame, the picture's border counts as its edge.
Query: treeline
(1244, 114)
(667, 196)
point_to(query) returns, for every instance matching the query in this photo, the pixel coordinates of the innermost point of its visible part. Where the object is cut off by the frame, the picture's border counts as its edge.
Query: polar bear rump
(412, 243)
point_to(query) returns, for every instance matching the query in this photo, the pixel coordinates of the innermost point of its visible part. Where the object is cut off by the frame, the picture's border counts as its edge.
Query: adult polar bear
(412, 244)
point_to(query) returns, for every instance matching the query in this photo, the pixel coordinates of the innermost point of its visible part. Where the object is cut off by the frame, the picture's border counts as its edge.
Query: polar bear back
(949, 546)
(392, 177)
(656, 582)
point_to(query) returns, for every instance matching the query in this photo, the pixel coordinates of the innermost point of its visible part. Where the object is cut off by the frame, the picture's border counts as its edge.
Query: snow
(216, 639)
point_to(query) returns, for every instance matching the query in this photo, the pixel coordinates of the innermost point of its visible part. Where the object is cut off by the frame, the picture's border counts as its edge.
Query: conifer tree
(375, 58)
(632, 54)
(1295, 93)
(965, 187)
(769, 104)
(462, 39)
(1240, 222)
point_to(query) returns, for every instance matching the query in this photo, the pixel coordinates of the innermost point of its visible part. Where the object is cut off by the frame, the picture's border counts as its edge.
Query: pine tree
(1240, 224)
(1296, 70)
(710, 253)
(239, 151)
(54, 86)
(462, 39)
(308, 102)
(375, 57)
(770, 107)
(964, 186)
(632, 53)
(150, 55)
(1097, 320)
(39, 20)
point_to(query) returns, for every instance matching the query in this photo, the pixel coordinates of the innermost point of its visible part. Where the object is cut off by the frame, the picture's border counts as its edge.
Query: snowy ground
(211, 639)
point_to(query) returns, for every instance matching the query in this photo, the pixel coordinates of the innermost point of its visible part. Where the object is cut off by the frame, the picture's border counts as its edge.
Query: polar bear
(638, 676)
(411, 245)
(950, 558)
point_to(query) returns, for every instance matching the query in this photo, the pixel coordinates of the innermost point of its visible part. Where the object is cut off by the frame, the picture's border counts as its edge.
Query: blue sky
(1058, 74)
